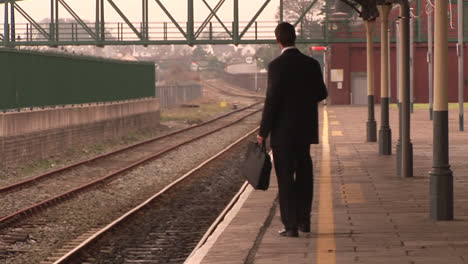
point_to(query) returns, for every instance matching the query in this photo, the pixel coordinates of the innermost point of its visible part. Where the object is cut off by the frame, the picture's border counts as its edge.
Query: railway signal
(317, 48)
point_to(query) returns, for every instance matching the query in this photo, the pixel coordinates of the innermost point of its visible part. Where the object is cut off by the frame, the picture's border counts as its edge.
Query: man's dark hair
(286, 34)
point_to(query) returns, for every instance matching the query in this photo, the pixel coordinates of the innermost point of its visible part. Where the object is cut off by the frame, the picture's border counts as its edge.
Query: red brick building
(351, 58)
(349, 61)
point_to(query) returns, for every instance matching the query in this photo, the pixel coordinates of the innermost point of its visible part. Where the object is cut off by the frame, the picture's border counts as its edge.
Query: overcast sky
(40, 9)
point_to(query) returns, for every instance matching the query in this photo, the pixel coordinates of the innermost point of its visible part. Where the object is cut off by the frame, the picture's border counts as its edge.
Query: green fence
(32, 79)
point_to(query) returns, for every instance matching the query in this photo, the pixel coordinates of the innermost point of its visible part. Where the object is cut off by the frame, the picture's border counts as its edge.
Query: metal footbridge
(216, 28)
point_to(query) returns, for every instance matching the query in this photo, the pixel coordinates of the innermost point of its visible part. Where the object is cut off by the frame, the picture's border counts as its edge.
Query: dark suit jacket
(295, 87)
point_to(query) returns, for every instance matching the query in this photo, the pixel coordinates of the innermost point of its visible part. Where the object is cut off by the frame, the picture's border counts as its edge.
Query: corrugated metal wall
(31, 79)
(247, 81)
(170, 95)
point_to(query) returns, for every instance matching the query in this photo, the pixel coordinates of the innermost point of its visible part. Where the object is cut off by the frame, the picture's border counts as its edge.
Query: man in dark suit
(290, 117)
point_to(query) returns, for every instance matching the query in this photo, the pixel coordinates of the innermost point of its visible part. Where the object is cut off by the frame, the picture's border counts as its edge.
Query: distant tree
(214, 64)
(160, 51)
(310, 25)
(182, 51)
(199, 53)
(265, 54)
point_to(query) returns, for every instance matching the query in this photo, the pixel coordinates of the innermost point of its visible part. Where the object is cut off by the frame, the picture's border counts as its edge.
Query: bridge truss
(212, 30)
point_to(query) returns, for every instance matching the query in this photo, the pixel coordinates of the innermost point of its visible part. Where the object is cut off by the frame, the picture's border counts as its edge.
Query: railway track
(233, 91)
(166, 227)
(54, 229)
(30, 196)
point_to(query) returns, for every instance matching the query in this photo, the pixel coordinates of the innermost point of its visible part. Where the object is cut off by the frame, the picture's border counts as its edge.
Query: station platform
(362, 211)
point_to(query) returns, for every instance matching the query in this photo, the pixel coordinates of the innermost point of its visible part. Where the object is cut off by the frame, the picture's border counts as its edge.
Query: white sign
(336, 75)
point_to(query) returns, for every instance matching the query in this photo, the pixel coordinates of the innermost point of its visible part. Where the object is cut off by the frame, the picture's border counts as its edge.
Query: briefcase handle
(263, 146)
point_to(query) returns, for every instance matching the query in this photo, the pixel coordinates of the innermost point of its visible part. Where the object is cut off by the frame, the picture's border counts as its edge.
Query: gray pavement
(362, 212)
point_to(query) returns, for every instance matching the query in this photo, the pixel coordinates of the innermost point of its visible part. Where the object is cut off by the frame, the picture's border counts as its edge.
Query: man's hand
(260, 139)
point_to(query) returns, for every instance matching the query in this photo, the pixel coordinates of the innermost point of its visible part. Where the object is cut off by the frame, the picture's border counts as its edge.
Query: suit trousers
(294, 171)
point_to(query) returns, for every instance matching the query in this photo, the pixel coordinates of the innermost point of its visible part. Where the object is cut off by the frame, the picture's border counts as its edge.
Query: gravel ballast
(51, 229)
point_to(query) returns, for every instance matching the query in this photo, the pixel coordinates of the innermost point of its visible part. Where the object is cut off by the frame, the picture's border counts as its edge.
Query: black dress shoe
(305, 228)
(288, 233)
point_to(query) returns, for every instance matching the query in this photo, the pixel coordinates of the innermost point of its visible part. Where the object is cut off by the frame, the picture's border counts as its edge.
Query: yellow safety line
(337, 133)
(326, 227)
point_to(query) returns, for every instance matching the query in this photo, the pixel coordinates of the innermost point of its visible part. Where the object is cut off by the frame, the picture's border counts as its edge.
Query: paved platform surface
(362, 212)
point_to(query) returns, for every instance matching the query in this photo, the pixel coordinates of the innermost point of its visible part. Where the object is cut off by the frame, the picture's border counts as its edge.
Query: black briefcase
(257, 166)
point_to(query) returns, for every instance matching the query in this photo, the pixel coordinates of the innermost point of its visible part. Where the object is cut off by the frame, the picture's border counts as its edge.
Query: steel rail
(22, 184)
(235, 94)
(62, 197)
(221, 217)
(72, 253)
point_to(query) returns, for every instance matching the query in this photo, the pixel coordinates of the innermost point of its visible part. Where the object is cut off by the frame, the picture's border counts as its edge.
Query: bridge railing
(117, 33)
(154, 33)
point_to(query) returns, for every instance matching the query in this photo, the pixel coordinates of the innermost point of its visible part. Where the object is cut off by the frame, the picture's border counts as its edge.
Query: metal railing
(163, 33)
(117, 33)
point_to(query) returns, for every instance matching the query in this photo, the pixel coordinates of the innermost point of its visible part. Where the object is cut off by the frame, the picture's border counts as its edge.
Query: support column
(190, 22)
(57, 23)
(98, 18)
(389, 36)
(441, 178)
(430, 57)
(144, 23)
(460, 65)
(235, 26)
(406, 146)
(99, 24)
(385, 133)
(6, 26)
(399, 89)
(13, 23)
(146, 15)
(411, 67)
(281, 11)
(371, 124)
(397, 51)
(52, 19)
(103, 22)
